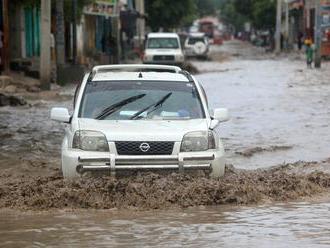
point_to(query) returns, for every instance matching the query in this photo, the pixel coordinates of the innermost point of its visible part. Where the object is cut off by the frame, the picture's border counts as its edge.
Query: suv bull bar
(127, 163)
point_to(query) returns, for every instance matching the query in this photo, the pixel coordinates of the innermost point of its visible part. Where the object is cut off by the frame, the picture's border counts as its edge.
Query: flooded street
(279, 108)
(280, 225)
(280, 115)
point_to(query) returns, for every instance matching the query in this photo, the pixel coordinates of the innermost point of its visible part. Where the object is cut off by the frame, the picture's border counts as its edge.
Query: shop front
(101, 32)
(325, 20)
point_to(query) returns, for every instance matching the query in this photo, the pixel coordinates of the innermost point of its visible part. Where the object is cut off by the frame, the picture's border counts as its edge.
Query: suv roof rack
(139, 68)
(187, 75)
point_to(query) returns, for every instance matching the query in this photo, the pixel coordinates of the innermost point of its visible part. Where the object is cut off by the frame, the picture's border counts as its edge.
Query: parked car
(197, 45)
(140, 117)
(163, 48)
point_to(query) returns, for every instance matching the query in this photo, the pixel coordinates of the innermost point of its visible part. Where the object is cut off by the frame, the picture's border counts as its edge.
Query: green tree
(244, 8)
(264, 14)
(169, 14)
(229, 14)
(206, 7)
(261, 13)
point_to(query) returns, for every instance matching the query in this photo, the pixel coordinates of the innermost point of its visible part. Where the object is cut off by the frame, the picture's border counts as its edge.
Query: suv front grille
(164, 58)
(144, 147)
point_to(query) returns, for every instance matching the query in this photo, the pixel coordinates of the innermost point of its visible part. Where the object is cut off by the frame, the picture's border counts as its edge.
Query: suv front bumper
(79, 162)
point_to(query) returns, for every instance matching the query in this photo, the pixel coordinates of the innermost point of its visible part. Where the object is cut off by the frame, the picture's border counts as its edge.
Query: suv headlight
(90, 141)
(198, 141)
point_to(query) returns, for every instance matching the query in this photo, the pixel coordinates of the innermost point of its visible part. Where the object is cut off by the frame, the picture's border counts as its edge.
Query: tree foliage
(264, 14)
(169, 14)
(261, 13)
(230, 15)
(206, 7)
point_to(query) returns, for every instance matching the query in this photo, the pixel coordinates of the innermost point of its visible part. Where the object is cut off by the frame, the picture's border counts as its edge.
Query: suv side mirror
(221, 114)
(60, 114)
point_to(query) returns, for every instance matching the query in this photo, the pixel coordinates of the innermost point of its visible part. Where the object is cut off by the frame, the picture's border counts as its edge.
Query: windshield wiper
(155, 106)
(115, 107)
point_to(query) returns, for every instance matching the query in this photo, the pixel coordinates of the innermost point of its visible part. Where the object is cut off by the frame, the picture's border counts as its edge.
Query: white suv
(137, 117)
(197, 45)
(163, 48)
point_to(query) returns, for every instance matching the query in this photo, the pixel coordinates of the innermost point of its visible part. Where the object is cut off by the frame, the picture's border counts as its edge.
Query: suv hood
(144, 130)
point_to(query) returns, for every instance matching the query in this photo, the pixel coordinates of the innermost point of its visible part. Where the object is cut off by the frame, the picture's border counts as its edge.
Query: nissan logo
(144, 147)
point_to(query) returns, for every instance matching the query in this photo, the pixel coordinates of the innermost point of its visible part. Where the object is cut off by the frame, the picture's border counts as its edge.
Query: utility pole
(278, 27)
(5, 56)
(286, 25)
(60, 42)
(74, 31)
(318, 34)
(141, 21)
(45, 60)
(116, 28)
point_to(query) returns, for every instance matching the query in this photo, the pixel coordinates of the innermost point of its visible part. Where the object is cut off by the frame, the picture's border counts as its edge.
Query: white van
(163, 48)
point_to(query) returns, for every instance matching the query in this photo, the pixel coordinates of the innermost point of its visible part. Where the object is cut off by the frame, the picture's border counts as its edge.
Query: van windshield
(163, 43)
(134, 100)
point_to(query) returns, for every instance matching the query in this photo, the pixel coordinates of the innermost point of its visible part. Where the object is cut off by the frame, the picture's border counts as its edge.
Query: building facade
(298, 23)
(97, 36)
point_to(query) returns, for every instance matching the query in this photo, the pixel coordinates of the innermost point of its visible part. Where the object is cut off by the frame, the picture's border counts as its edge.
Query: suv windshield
(125, 100)
(159, 43)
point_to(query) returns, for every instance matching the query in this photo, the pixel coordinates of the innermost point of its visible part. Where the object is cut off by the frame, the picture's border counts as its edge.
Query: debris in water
(6, 100)
(190, 68)
(251, 151)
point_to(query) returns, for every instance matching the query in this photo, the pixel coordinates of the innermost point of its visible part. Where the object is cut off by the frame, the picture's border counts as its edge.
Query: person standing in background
(309, 52)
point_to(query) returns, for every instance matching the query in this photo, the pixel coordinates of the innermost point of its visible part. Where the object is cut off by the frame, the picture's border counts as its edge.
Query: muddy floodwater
(275, 192)
(280, 110)
(279, 225)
